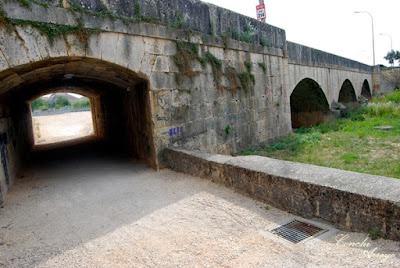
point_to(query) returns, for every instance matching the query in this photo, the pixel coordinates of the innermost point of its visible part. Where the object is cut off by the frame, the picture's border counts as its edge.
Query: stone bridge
(162, 74)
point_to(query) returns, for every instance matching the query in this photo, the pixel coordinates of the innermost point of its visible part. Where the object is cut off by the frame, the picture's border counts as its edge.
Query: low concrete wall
(351, 200)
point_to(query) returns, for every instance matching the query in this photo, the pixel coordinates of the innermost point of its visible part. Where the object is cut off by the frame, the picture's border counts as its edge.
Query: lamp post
(373, 39)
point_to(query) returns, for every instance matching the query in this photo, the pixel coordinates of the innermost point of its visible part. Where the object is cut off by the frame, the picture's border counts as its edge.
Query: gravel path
(108, 212)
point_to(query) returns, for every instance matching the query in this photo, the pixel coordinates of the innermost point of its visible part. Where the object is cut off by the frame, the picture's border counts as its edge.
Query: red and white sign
(261, 12)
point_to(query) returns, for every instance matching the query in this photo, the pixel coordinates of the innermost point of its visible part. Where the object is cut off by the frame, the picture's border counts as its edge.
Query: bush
(393, 97)
(294, 142)
(81, 104)
(388, 109)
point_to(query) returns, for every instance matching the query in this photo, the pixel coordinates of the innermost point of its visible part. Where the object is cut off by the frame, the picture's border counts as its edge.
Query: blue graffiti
(177, 131)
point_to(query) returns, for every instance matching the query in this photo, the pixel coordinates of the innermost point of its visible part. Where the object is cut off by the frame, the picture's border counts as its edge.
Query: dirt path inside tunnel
(113, 212)
(62, 127)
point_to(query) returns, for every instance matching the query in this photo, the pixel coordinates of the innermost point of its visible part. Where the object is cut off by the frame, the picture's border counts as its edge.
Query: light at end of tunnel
(68, 76)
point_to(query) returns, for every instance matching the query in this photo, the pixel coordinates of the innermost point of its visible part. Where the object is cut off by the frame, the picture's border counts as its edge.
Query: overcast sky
(331, 26)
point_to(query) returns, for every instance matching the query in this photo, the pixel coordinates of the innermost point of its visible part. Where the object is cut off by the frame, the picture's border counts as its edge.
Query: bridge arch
(366, 90)
(119, 99)
(308, 104)
(347, 94)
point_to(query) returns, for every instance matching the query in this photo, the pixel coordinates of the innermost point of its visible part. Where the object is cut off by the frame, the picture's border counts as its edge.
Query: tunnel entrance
(119, 103)
(366, 90)
(347, 95)
(60, 117)
(308, 104)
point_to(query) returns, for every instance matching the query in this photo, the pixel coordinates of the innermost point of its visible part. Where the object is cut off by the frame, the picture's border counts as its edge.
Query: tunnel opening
(366, 90)
(60, 117)
(308, 104)
(120, 109)
(347, 95)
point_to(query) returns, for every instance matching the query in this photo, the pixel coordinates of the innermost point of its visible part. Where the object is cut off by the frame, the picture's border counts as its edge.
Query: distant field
(352, 143)
(62, 127)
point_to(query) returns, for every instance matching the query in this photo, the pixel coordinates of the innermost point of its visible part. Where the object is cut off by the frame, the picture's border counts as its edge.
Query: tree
(61, 102)
(39, 104)
(391, 56)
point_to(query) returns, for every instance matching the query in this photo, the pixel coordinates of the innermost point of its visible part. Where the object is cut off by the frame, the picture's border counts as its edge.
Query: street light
(391, 47)
(373, 39)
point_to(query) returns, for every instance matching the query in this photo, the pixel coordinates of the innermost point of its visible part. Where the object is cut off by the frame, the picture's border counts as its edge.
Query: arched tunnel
(119, 103)
(308, 104)
(366, 90)
(347, 95)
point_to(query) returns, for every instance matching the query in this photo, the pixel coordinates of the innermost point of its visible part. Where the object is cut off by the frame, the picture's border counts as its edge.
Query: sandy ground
(107, 212)
(62, 127)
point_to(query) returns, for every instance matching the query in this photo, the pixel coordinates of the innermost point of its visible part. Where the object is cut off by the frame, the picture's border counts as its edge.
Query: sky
(331, 26)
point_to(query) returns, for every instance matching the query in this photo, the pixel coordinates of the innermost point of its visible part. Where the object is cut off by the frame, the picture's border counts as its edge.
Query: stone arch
(366, 90)
(308, 104)
(347, 94)
(120, 102)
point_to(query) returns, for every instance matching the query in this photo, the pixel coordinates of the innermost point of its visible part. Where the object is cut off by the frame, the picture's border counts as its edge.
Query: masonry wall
(227, 118)
(389, 80)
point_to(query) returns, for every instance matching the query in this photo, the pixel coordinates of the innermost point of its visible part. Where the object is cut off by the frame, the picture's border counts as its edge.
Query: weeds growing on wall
(263, 66)
(186, 53)
(179, 20)
(248, 33)
(212, 28)
(247, 78)
(216, 66)
(53, 31)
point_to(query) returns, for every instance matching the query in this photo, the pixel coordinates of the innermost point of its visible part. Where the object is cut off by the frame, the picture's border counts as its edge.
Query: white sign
(261, 12)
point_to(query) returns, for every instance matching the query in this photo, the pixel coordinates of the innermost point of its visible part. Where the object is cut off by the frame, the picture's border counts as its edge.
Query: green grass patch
(350, 143)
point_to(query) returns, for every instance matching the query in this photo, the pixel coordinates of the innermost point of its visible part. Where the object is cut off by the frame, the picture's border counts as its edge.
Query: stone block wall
(220, 115)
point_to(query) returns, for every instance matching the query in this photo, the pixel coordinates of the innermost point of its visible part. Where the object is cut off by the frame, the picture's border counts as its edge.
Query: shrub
(81, 104)
(393, 97)
(388, 109)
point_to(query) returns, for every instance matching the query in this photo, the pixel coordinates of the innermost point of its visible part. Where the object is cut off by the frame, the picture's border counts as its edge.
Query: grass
(350, 143)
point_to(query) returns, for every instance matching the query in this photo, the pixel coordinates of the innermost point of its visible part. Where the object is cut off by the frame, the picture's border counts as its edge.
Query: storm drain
(297, 231)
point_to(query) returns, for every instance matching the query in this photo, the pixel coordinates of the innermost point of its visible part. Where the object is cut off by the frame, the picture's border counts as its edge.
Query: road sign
(261, 12)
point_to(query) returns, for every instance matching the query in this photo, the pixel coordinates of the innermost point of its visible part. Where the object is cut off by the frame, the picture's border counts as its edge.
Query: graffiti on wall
(177, 131)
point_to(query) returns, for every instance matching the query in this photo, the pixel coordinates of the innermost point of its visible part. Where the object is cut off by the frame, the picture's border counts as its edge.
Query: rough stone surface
(351, 200)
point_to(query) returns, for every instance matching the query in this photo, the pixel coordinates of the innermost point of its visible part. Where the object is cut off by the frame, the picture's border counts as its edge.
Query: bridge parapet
(193, 15)
(303, 55)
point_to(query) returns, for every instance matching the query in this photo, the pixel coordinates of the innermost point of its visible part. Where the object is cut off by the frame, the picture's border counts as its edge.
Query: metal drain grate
(297, 231)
